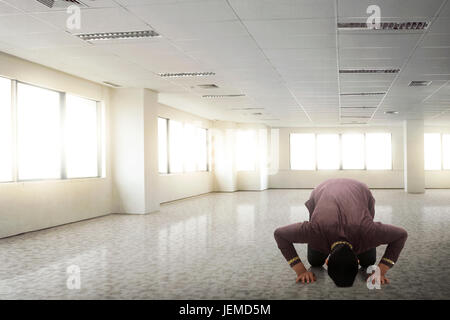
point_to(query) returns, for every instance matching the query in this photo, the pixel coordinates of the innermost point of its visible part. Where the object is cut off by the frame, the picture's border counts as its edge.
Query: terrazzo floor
(218, 246)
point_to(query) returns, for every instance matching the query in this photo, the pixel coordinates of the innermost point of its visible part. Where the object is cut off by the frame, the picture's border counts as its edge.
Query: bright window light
(81, 137)
(303, 151)
(378, 151)
(446, 151)
(202, 149)
(352, 151)
(245, 150)
(190, 148)
(162, 146)
(38, 133)
(432, 151)
(176, 146)
(328, 155)
(5, 131)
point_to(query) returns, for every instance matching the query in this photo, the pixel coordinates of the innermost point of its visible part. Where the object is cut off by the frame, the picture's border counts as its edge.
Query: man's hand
(306, 276)
(383, 270)
(303, 275)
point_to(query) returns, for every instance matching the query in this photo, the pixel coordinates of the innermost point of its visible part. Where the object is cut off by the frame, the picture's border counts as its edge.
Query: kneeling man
(341, 227)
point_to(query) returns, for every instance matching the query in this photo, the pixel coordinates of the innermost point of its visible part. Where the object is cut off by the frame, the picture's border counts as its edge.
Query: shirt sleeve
(393, 236)
(371, 205)
(310, 204)
(288, 235)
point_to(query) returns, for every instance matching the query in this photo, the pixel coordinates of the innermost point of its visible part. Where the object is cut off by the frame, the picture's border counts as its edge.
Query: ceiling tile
(283, 9)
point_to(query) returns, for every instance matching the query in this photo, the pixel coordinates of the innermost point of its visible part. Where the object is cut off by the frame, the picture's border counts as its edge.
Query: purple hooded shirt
(342, 210)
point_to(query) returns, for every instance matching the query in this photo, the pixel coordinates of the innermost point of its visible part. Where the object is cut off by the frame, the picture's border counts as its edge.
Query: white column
(414, 172)
(127, 141)
(151, 150)
(223, 136)
(134, 150)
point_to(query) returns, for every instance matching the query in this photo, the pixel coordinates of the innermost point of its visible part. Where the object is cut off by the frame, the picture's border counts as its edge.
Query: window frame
(340, 152)
(101, 172)
(100, 137)
(207, 149)
(315, 152)
(207, 144)
(12, 133)
(255, 162)
(442, 167)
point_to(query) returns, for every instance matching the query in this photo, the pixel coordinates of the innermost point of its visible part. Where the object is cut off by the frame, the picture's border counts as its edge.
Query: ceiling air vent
(358, 107)
(369, 71)
(223, 95)
(410, 25)
(185, 74)
(353, 122)
(208, 86)
(60, 3)
(117, 35)
(416, 83)
(246, 109)
(356, 117)
(112, 84)
(362, 94)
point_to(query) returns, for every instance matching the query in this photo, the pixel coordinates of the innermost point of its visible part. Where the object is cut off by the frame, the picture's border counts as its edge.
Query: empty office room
(289, 150)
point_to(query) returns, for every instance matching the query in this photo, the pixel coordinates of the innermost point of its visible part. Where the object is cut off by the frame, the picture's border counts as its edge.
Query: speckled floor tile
(219, 246)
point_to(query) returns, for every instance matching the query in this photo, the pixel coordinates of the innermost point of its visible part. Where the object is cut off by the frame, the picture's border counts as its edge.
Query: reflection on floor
(218, 246)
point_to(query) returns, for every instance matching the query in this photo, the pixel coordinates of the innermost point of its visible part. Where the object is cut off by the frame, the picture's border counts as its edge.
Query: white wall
(224, 166)
(414, 173)
(182, 185)
(27, 206)
(255, 180)
(286, 178)
(127, 136)
(438, 178)
(135, 150)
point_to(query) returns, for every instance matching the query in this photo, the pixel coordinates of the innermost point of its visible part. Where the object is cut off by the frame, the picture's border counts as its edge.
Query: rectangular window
(245, 150)
(5, 131)
(202, 149)
(176, 146)
(446, 151)
(328, 154)
(38, 133)
(303, 151)
(432, 151)
(162, 146)
(378, 151)
(190, 151)
(352, 151)
(81, 137)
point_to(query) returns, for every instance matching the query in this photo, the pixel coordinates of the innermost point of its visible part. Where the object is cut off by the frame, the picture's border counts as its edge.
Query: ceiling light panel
(416, 83)
(117, 35)
(223, 95)
(362, 94)
(369, 70)
(185, 74)
(395, 26)
(208, 86)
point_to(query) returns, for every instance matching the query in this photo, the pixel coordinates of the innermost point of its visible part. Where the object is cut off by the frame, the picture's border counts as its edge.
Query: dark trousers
(317, 258)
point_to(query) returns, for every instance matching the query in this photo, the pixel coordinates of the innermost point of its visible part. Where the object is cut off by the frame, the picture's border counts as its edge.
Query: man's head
(342, 265)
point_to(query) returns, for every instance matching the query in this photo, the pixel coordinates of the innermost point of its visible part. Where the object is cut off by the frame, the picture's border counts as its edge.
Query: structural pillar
(414, 171)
